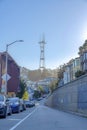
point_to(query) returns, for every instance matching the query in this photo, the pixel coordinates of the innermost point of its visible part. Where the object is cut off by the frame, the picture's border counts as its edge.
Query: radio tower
(42, 58)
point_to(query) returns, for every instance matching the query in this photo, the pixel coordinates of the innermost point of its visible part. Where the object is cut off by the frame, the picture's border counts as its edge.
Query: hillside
(36, 75)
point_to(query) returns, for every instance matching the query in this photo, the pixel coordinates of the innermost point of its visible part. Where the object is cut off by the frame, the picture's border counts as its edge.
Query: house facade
(83, 56)
(68, 73)
(13, 71)
(70, 69)
(76, 66)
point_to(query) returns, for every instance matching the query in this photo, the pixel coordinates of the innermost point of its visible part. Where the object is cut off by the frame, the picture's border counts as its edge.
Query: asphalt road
(43, 118)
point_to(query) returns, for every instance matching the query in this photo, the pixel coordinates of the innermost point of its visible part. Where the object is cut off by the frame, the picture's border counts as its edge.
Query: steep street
(44, 118)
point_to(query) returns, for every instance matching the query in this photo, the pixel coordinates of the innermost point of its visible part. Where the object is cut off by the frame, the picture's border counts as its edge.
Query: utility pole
(6, 69)
(42, 56)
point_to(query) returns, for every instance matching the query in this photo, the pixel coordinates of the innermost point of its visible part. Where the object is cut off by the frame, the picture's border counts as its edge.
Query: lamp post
(6, 69)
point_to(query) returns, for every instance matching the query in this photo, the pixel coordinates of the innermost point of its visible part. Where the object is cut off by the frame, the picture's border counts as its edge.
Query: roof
(9, 57)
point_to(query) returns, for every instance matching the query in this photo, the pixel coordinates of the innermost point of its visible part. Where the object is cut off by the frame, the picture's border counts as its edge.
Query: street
(43, 118)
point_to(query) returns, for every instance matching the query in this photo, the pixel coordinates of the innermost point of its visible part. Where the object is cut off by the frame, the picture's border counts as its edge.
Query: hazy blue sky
(64, 23)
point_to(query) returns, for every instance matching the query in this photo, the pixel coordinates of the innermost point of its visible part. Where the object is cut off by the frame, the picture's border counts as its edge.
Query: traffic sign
(4, 77)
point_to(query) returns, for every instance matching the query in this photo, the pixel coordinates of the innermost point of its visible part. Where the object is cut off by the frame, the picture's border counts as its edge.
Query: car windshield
(1, 98)
(14, 99)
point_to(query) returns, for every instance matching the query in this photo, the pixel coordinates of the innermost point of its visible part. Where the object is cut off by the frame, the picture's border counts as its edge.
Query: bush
(79, 73)
(37, 94)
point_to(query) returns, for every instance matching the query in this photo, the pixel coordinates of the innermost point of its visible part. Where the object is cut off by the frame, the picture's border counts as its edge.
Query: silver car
(5, 108)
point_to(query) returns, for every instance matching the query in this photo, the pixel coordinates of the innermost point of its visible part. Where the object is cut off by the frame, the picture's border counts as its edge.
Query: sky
(63, 23)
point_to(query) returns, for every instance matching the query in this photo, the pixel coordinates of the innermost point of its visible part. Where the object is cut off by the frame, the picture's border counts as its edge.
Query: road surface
(43, 118)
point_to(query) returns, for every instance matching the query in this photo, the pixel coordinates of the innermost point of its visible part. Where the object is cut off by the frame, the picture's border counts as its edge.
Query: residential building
(13, 71)
(76, 66)
(68, 73)
(70, 69)
(83, 56)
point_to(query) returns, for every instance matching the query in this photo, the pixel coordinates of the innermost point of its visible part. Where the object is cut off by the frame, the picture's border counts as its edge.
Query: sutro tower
(42, 56)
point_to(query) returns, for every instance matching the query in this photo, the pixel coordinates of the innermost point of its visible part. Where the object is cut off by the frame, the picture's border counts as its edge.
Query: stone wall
(71, 97)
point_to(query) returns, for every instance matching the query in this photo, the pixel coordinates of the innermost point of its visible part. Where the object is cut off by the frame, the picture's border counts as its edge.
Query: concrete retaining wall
(71, 97)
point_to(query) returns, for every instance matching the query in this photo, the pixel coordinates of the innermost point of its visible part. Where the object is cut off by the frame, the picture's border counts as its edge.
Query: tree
(40, 89)
(25, 95)
(22, 89)
(60, 74)
(53, 85)
(61, 70)
(37, 94)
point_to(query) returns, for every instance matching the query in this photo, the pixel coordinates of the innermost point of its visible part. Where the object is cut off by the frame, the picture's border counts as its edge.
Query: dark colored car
(23, 104)
(40, 98)
(15, 104)
(29, 103)
(5, 107)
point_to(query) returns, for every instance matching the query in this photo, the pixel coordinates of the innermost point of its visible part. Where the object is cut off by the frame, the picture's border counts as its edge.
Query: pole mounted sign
(4, 77)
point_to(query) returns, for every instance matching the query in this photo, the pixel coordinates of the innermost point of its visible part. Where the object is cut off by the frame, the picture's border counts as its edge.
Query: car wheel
(5, 113)
(10, 113)
(18, 110)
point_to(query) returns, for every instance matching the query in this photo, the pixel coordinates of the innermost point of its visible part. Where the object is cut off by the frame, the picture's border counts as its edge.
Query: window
(86, 55)
(84, 67)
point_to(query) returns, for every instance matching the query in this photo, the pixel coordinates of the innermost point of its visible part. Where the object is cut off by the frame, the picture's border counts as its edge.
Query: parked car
(44, 96)
(29, 103)
(23, 104)
(40, 98)
(15, 104)
(5, 106)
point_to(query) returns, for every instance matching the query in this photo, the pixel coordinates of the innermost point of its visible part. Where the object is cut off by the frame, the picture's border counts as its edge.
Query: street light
(6, 69)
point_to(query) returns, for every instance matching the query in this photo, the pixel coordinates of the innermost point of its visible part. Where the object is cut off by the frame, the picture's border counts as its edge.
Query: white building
(70, 69)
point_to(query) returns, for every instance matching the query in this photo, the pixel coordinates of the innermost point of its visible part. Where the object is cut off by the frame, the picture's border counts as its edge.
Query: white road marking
(14, 119)
(23, 119)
